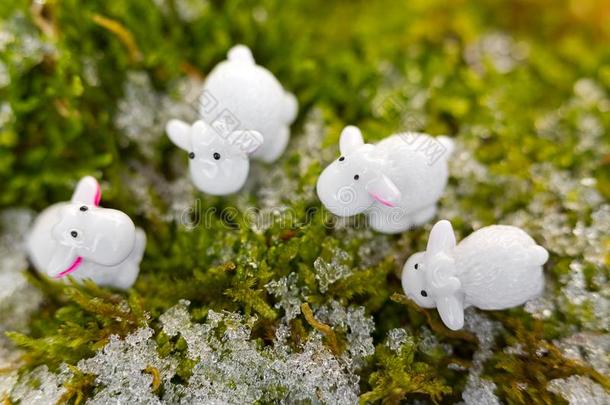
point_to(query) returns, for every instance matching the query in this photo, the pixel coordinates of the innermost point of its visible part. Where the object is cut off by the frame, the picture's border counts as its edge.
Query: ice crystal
(498, 48)
(137, 115)
(232, 368)
(8, 380)
(428, 343)
(17, 298)
(405, 108)
(274, 189)
(541, 307)
(478, 390)
(328, 273)
(178, 195)
(597, 236)
(578, 390)
(356, 325)
(143, 112)
(90, 72)
(577, 294)
(5, 78)
(187, 10)
(124, 369)
(375, 247)
(26, 46)
(6, 115)
(288, 294)
(41, 387)
(591, 348)
(588, 91)
(470, 174)
(397, 337)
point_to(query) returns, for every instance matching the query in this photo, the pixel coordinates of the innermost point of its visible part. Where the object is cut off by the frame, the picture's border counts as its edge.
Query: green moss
(364, 63)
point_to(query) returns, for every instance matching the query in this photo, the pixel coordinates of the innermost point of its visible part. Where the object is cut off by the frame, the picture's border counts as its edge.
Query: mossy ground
(530, 105)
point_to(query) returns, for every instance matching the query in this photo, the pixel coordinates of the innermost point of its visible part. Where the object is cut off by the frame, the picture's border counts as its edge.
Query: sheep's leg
(424, 215)
(128, 271)
(274, 147)
(389, 220)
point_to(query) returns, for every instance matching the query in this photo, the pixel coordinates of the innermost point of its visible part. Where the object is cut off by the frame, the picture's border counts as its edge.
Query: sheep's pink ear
(350, 140)
(442, 238)
(384, 190)
(87, 191)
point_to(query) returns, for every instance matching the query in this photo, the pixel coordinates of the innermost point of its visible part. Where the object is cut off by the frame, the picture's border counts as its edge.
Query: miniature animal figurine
(396, 182)
(84, 240)
(244, 113)
(495, 267)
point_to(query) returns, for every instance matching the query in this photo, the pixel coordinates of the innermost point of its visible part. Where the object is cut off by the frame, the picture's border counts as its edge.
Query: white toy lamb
(396, 182)
(496, 267)
(245, 112)
(87, 241)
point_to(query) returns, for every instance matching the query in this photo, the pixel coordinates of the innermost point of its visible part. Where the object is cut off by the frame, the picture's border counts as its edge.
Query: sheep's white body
(398, 184)
(41, 246)
(254, 97)
(496, 267)
(499, 267)
(86, 241)
(420, 181)
(244, 113)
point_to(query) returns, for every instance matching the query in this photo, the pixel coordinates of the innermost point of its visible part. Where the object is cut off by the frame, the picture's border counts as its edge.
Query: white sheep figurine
(87, 241)
(396, 182)
(244, 112)
(496, 267)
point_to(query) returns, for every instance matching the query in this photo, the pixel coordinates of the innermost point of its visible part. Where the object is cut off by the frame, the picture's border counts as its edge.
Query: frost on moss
(286, 302)
(225, 365)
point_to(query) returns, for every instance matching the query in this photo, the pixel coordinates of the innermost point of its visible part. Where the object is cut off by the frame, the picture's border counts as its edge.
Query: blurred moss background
(523, 87)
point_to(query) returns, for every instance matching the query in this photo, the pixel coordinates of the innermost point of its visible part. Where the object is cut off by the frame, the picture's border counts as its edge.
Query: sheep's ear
(442, 238)
(384, 190)
(179, 132)
(247, 141)
(87, 192)
(451, 310)
(350, 140)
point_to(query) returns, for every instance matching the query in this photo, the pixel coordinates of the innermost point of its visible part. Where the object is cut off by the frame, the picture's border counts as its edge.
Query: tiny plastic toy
(396, 182)
(496, 267)
(245, 112)
(84, 240)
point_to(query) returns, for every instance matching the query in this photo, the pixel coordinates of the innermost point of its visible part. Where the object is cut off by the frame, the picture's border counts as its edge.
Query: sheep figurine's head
(219, 161)
(352, 183)
(429, 278)
(87, 232)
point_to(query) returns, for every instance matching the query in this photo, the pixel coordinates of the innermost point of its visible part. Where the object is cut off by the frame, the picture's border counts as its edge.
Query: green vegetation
(523, 87)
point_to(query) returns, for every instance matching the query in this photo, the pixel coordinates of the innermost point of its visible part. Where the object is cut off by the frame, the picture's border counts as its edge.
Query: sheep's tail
(448, 144)
(139, 247)
(240, 53)
(291, 108)
(540, 255)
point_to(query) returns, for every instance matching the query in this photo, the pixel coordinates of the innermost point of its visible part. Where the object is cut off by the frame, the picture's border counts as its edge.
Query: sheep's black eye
(416, 266)
(356, 177)
(74, 234)
(342, 158)
(192, 155)
(84, 208)
(216, 155)
(423, 293)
